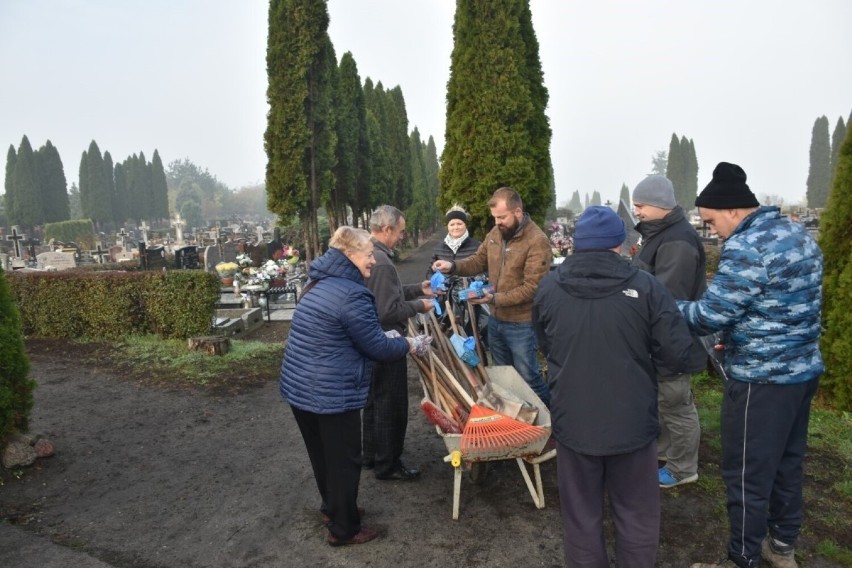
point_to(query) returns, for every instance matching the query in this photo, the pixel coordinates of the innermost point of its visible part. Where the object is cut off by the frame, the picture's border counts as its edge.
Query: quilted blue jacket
(334, 337)
(766, 298)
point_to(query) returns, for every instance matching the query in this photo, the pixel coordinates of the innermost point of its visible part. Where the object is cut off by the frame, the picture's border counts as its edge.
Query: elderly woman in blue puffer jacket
(325, 376)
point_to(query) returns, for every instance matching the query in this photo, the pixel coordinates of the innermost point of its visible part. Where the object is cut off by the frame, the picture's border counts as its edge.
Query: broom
(489, 434)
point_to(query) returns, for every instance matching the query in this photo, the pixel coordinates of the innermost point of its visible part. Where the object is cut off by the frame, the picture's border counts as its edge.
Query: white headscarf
(454, 244)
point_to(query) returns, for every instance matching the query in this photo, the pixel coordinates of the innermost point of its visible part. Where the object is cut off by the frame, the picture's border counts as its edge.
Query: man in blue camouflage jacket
(766, 299)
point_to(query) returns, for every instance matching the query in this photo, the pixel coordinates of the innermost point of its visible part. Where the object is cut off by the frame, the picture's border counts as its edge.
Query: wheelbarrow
(530, 454)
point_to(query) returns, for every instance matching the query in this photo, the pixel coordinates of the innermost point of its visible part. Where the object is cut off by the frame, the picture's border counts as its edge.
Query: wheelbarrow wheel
(478, 472)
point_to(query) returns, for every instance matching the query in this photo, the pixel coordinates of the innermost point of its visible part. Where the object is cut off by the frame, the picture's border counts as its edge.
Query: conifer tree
(121, 202)
(83, 180)
(497, 133)
(399, 148)
(575, 205)
(381, 169)
(109, 181)
(834, 239)
(837, 138)
(9, 196)
(625, 195)
(94, 188)
(417, 214)
(596, 198)
(691, 182)
(159, 188)
(299, 138)
(350, 124)
(659, 163)
(819, 174)
(27, 194)
(433, 186)
(54, 186)
(16, 390)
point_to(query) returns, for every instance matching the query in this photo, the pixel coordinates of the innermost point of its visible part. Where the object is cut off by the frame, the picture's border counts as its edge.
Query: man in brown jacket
(516, 254)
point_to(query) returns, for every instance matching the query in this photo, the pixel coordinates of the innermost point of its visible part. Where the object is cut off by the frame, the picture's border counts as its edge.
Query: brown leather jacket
(515, 268)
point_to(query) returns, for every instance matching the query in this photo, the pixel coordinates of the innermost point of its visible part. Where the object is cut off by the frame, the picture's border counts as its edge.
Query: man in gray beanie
(672, 251)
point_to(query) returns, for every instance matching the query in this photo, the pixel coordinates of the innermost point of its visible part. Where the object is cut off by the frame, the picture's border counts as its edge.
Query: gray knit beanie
(655, 190)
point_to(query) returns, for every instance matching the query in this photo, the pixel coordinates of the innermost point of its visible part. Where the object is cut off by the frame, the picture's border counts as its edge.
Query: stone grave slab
(57, 260)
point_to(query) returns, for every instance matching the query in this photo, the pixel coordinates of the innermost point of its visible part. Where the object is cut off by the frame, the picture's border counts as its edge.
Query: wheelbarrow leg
(457, 477)
(535, 491)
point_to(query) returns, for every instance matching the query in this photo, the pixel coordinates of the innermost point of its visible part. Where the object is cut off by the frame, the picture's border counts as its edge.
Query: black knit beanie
(727, 190)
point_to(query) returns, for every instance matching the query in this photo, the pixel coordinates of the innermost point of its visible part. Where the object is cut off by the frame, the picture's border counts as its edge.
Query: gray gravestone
(212, 257)
(56, 260)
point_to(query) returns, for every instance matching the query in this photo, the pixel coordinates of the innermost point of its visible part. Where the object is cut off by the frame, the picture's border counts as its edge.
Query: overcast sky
(745, 80)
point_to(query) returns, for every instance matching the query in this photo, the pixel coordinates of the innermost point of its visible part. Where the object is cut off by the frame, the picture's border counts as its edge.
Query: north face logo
(630, 293)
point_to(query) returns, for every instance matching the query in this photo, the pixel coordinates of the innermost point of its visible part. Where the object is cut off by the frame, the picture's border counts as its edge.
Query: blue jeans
(514, 343)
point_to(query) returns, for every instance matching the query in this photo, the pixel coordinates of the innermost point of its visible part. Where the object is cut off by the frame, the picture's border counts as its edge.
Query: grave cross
(144, 228)
(99, 253)
(17, 240)
(178, 224)
(122, 234)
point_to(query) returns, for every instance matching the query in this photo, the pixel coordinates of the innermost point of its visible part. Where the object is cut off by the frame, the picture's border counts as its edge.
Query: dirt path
(145, 477)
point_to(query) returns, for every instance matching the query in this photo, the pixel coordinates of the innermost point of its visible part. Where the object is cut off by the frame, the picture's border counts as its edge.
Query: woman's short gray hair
(385, 216)
(349, 239)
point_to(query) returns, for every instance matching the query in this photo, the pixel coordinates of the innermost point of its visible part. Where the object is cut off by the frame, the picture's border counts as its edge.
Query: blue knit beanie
(599, 228)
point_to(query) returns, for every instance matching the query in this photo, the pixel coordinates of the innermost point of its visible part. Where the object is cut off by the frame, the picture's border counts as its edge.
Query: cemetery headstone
(56, 260)
(99, 254)
(229, 251)
(212, 257)
(153, 257)
(143, 228)
(178, 224)
(4, 261)
(186, 257)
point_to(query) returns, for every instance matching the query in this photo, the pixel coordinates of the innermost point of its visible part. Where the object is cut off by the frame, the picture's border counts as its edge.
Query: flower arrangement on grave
(263, 275)
(226, 269)
(561, 244)
(244, 260)
(287, 254)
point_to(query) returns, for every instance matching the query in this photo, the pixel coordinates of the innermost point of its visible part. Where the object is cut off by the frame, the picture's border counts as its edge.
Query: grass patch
(169, 361)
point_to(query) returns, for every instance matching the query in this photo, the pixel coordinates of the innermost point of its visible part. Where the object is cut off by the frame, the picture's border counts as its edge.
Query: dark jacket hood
(594, 274)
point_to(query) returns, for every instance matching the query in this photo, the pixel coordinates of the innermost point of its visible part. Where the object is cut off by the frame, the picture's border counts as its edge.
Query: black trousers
(631, 483)
(764, 436)
(386, 415)
(334, 448)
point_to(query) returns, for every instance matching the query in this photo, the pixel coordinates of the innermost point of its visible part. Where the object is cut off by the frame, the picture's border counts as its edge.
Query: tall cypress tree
(299, 138)
(417, 214)
(497, 133)
(676, 169)
(837, 138)
(834, 239)
(159, 188)
(575, 205)
(349, 106)
(98, 198)
(381, 170)
(83, 181)
(27, 194)
(398, 144)
(819, 174)
(109, 183)
(433, 186)
(54, 186)
(596, 198)
(625, 195)
(691, 181)
(9, 196)
(121, 202)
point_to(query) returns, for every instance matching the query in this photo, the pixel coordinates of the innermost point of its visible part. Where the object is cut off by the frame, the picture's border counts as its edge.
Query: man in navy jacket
(604, 326)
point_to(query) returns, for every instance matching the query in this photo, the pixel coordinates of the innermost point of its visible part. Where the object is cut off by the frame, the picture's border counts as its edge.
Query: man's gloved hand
(419, 345)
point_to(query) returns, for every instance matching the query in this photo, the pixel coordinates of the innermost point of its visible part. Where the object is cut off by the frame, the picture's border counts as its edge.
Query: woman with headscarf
(458, 243)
